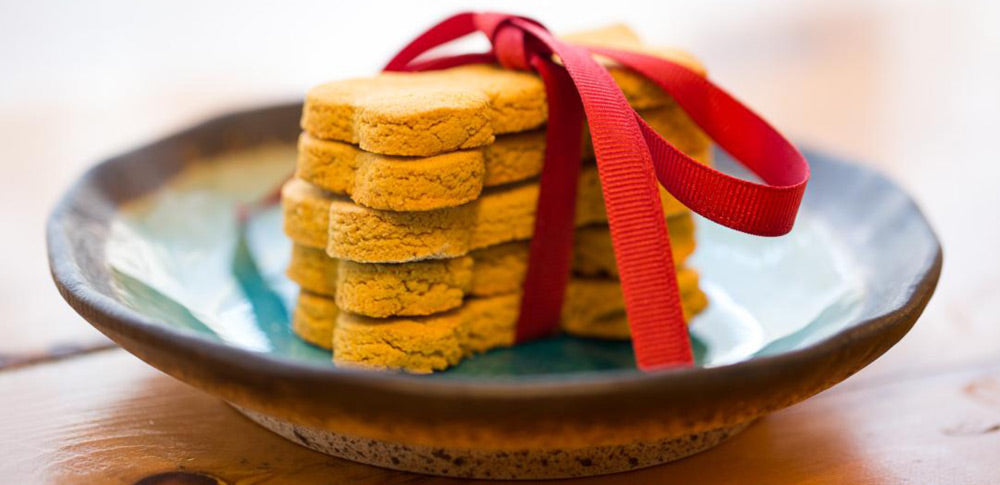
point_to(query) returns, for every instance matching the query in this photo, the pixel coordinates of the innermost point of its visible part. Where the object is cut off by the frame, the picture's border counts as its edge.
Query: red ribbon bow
(631, 157)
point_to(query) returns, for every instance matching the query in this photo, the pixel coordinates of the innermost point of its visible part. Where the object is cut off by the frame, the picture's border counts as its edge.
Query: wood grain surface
(908, 88)
(107, 418)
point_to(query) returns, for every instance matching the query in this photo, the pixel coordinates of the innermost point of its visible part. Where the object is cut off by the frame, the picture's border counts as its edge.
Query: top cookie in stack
(414, 201)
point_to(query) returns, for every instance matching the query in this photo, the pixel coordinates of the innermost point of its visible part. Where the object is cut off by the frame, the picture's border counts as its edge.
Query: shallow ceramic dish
(146, 247)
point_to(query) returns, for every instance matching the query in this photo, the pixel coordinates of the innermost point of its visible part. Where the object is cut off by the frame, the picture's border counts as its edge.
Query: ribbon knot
(508, 40)
(631, 160)
(509, 47)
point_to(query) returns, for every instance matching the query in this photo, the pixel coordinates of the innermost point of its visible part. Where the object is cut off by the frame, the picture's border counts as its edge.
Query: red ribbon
(631, 157)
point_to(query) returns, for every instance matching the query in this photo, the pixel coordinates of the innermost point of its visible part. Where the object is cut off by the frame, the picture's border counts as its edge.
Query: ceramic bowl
(145, 247)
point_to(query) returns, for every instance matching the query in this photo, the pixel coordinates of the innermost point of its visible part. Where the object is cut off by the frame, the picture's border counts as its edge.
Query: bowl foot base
(502, 464)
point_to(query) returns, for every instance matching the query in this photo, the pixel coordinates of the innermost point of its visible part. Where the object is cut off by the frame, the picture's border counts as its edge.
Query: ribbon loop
(763, 209)
(631, 159)
(448, 30)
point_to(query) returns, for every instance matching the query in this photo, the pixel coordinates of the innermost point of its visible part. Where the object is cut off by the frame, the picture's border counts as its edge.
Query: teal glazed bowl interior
(148, 248)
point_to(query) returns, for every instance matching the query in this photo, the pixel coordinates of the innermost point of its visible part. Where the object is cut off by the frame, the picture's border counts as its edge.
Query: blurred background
(910, 87)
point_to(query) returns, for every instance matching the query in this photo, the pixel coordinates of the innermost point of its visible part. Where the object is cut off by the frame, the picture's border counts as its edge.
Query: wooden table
(915, 92)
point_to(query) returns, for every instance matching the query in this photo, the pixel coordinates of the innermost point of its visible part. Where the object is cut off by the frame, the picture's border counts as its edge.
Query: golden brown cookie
(501, 214)
(305, 213)
(621, 36)
(425, 113)
(413, 344)
(454, 178)
(597, 308)
(590, 200)
(426, 344)
(593, 253)
(420, 288)
(390, 182)
(383, 289)
(314, 317)
(437, 285)
(614, 325)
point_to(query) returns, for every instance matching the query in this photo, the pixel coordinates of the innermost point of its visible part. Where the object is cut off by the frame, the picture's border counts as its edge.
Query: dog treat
(597, 310)
(316, 218)
(593, 254)
(426, 113)
(436, 285)
(314, 318)
(425, 344)
(454, 178)
(413, 206)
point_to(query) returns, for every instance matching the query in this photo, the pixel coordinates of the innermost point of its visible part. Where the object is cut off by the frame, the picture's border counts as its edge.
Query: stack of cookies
(412, 209)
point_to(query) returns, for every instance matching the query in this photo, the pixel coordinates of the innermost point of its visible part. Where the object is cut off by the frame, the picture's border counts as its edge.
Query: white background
(904, 85)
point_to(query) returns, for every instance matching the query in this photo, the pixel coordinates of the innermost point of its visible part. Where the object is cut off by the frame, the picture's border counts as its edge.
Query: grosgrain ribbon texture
(631, 160)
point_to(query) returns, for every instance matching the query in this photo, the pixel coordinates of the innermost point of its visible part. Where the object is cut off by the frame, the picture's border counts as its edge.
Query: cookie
(620, 36)
(505, 214)
(426, 113)
(317, 218)
(597, 309)
(437, 285)
(454, 178)
(593, 252)
(424, 344)
(314, 318)
(436, 342)
(305, 213)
